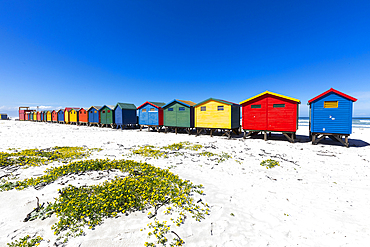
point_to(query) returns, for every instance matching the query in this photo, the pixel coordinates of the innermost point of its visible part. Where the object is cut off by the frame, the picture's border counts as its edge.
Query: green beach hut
(179, 114)
(107, 116)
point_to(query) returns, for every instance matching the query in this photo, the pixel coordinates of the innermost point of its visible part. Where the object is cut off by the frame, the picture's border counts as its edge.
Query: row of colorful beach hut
(330, 116)
(117, 116)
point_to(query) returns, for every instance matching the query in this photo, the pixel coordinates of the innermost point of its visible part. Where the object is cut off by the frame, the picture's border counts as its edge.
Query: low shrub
(270, 163)
(27, 241)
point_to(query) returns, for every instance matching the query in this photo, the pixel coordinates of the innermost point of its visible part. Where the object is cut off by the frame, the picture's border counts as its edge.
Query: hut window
(181, 108)
(279, 105)
(95, 111)
(170, 109)
(144, 110)
(90, 111)
(103, 111)
(255, 106)
(220, 108)
(152, 109)
(203, 108)
(330, 104)
(108, 111)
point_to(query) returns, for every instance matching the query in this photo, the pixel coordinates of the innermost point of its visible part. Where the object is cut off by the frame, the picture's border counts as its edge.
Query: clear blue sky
(82, 53)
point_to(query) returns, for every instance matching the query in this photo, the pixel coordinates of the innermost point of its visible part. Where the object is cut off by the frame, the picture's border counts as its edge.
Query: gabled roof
(76, 109)
(271, 93)
(218, 100)
(187, 103)
(70, 108)
(155, 104)
(126, 106)
(109, 106)
(95, 107)
(332, 90)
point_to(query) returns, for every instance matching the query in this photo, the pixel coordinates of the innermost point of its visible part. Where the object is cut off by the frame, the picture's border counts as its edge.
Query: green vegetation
(37, 157)
(269, 163)
(183, 145)
(150, 151)
(155, 152)
(27, 241)
(145, 187)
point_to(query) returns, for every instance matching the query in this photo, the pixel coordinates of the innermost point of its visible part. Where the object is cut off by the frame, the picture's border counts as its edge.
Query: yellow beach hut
(216, 114)
(73, 116)
(48, 116)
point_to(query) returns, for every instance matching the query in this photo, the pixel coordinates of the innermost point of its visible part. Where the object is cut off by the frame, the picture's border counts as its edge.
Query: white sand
(324, 189)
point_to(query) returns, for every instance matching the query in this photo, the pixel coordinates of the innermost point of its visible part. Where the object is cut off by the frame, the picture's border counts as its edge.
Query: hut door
(256, 115)
(144, 116)
(102, 116)
(183, 116)
(153, 116)
(171, 116)
(109, 116)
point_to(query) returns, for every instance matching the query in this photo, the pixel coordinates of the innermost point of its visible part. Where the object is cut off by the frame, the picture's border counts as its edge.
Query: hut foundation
(317, 137)
(224, 132)
(289, 135)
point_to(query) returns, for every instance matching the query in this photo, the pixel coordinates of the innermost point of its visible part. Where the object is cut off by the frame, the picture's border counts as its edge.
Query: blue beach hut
(331, 116)
(124, 114)
(151, 115)
(3, 116)
(45, 115)
(61, 116)
(94, 115)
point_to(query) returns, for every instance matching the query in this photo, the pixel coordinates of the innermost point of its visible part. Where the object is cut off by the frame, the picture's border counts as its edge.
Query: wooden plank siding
(270, 112)
(125, 114)
(94, 114)
(282, 118)
(217, 114)
(54, 116)
(67, 117)
(48, 116)
(179, 113)
(61, 115)
(83, 115)
(107, 114)
(151, 113)
(45, 116)
(73, 115)
(334, 120)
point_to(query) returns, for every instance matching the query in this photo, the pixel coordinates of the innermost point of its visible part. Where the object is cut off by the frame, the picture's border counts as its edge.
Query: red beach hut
(54, 116)
(83, 117)
(38, 116)
(270, 112)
